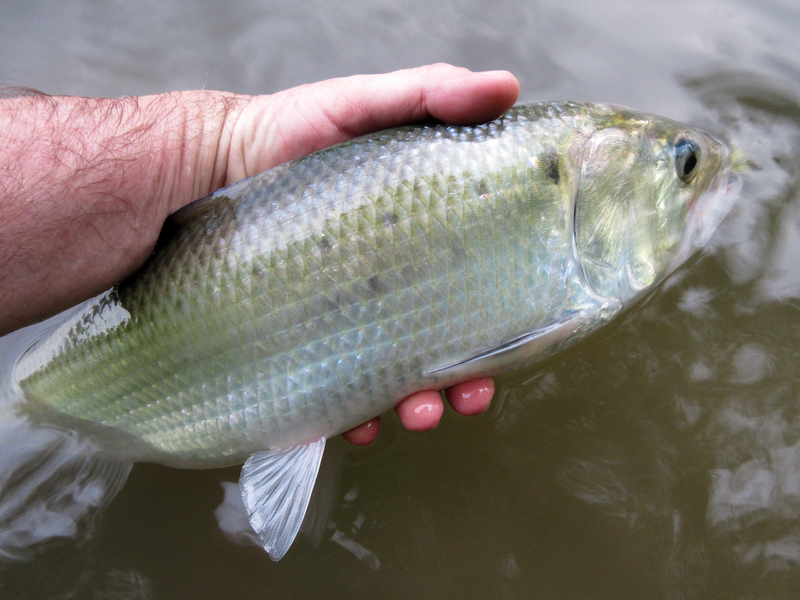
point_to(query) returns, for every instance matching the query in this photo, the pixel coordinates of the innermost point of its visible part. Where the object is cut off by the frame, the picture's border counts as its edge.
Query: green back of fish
(304, 300)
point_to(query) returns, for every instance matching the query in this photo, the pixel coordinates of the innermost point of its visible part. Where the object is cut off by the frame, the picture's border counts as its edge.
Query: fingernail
(497, 73)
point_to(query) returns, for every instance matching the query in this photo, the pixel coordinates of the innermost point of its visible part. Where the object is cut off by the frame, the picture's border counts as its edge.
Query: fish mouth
(714, 205)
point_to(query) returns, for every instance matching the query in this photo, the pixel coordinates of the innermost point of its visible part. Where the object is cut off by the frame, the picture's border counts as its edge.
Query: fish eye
(687, 157)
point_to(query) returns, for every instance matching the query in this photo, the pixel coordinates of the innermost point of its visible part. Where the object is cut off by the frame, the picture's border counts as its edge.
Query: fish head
(649, 193)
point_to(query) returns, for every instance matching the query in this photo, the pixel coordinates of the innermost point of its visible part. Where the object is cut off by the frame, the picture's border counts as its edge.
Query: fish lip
(715, 204)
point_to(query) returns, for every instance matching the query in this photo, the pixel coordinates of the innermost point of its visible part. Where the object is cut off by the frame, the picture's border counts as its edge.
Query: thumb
(273, 129)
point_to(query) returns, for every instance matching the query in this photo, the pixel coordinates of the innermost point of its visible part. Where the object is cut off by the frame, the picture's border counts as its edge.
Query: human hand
(422, 411)
(88, 182)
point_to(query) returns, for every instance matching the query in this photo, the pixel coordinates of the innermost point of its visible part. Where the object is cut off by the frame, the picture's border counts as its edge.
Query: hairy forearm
(85, 185)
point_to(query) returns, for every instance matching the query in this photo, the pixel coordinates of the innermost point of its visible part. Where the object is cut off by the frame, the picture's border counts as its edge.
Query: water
(659, 459)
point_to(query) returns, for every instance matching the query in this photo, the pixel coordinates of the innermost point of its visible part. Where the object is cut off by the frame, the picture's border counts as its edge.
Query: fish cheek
(601, 215)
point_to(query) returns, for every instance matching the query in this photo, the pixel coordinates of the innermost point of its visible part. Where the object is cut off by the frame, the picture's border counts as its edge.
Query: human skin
(86, 183)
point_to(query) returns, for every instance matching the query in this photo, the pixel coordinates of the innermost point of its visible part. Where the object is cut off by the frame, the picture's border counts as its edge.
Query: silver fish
(291, 306)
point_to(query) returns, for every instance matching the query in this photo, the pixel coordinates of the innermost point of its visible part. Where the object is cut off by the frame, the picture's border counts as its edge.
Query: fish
(291, 306)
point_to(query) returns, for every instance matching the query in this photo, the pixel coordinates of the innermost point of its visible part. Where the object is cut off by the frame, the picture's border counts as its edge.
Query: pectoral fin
(276, 487)
(516, 352)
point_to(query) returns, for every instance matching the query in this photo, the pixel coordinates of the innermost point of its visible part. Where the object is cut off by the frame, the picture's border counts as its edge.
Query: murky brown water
(659, 459)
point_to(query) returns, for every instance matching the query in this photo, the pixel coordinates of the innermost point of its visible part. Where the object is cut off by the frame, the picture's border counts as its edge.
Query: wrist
(87, 183)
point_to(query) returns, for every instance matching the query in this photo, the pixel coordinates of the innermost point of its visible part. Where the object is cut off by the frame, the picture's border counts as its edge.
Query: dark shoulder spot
(548, 161)
(390, 219)
(325, 244)
(374, 283)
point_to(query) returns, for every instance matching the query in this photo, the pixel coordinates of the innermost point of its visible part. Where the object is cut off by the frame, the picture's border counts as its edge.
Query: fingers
(423, 410)
(357, 105)
(363, 434)
(293, 123)
(472, 397)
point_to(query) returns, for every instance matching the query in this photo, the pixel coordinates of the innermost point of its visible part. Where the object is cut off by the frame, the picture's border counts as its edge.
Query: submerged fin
(516, 352)
(232, 517)
(53, 481)
(276, 487)
(52, 485)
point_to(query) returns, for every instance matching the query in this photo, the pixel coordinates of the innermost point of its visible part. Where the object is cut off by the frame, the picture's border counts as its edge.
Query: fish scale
(307, 299)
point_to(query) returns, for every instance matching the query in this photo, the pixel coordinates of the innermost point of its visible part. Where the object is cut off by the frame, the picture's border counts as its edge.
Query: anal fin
(276, 487)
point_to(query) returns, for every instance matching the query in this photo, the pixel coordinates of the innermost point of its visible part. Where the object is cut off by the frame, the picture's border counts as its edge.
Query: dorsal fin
(198, 208)
(202, 208)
